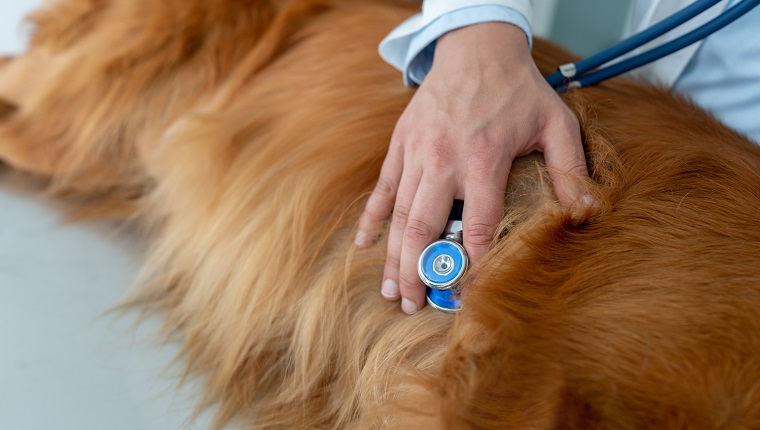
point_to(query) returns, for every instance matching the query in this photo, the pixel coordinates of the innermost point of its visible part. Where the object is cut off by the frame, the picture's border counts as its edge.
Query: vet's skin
(475, 112)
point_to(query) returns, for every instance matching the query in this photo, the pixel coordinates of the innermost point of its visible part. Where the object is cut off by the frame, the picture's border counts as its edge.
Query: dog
(246, 135)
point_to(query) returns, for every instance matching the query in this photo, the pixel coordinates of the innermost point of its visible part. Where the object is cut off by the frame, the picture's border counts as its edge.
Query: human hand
(483, 104)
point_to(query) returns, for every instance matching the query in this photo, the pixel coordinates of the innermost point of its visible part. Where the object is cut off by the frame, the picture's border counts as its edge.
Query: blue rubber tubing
(633, 42)
(687, 39)
(727, 17)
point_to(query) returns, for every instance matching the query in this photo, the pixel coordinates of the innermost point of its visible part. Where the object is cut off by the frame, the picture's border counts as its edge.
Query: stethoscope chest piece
(442, 266)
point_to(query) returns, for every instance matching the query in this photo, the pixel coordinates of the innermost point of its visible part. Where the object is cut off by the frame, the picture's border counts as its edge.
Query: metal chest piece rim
(442, 264)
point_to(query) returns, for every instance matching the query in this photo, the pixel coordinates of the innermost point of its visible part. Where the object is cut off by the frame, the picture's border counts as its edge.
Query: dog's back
(248, 141)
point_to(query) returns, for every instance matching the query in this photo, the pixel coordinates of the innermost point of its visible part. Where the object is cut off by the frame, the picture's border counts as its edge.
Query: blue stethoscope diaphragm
(443, 263)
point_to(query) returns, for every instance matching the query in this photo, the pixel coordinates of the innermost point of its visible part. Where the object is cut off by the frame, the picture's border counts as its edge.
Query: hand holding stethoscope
(482, 105)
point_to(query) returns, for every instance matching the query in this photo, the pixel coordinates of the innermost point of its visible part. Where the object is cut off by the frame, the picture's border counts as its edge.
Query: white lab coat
(721, 73)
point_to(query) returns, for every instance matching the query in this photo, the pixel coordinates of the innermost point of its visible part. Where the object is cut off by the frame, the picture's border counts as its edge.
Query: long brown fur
(246, 135)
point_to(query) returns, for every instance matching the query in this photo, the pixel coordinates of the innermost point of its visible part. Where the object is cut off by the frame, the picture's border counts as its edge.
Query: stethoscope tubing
(577, 75)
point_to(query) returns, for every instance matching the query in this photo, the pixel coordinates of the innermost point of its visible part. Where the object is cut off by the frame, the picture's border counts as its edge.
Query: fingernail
(390, 289)
(362, 239)
(408, 306)
(589, 201)
(583, 204)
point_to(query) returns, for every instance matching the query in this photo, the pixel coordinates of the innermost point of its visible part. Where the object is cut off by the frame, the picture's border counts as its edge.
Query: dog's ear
(6, 109)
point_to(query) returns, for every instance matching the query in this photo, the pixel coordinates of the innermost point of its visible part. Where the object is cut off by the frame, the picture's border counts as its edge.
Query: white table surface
(63, 364)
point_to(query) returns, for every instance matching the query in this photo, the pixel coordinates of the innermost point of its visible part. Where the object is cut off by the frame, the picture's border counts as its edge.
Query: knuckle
(566, 119)
(572, 162)
(556, 112)
(441, 154)
(385, 188)
(392, 261)
(418, 231)
(479, 164)
(479, 233)
(372, 216)
(408, 284)
(400, 215)
(482, 157)
(578, 167)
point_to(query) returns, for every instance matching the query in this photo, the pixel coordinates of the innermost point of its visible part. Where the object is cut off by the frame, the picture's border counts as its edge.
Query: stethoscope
(443, 264)
(585, 73)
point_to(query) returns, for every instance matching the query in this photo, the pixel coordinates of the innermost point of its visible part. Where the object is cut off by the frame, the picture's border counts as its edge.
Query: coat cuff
(411, 46)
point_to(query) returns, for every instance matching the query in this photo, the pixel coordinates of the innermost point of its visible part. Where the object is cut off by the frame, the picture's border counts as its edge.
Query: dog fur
(246, 136)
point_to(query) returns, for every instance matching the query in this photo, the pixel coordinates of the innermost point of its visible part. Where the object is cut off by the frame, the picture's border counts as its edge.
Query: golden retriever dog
(246, 135)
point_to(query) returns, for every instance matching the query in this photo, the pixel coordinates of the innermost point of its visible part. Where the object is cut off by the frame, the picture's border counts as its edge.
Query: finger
(563, 153)
(410, 181)
(483, 211)
(426, 221)
(380, 202)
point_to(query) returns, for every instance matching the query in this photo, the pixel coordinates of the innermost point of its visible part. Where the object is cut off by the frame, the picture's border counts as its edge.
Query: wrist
(483, 47)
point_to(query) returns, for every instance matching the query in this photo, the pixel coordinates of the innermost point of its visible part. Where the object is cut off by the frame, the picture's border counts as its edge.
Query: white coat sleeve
(410, 46)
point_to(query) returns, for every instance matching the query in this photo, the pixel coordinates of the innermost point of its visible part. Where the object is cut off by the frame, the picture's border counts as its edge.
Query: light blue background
(11, 29)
